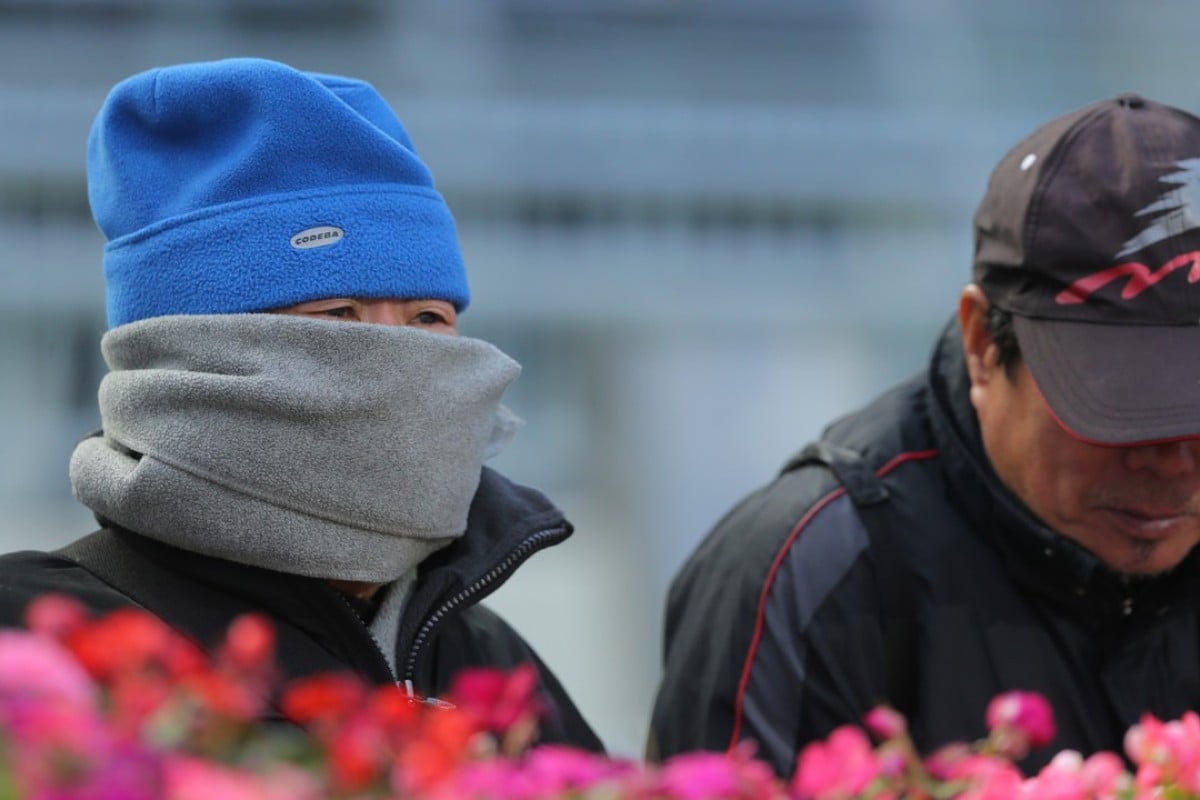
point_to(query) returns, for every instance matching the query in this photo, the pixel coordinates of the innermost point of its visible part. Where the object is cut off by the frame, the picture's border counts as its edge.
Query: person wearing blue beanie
(246, 185)
(260, 454)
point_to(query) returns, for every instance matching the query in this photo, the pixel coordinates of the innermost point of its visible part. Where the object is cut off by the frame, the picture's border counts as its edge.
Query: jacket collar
(507, 523)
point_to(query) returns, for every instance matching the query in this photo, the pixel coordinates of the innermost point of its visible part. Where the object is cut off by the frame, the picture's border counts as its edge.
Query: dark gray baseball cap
(1089, 234)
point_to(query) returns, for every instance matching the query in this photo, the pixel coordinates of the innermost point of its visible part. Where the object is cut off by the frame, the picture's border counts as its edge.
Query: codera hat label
(317, 237)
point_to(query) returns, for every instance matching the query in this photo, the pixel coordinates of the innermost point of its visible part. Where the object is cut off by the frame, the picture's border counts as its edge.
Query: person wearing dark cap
(1022, 515)
(259, 451)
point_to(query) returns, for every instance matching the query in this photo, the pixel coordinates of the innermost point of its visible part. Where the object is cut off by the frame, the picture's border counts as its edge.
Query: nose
(382, 312)
(1166, 459)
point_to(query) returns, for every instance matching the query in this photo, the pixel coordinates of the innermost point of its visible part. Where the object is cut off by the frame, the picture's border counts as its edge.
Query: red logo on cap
(1174, 212)
(1139, 275)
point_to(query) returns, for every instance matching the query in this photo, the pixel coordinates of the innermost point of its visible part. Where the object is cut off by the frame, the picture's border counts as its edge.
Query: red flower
(249, 644)
(227, 695)
(134, 698)
(357, 754)
(443, 744)
(322, 699)
(130, 640)
(397, 713)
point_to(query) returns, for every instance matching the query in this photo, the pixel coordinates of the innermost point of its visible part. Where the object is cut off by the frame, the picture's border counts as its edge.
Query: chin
(1144, 563)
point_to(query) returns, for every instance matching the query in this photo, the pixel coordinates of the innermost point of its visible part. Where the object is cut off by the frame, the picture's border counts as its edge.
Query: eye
(435, 315)
(333, 308)
(430, 317)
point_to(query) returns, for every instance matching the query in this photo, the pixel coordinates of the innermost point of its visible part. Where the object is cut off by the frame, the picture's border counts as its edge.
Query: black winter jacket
(778, 626)
(443, 629)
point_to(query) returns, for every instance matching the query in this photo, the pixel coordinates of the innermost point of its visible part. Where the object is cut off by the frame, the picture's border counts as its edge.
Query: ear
(980, 353)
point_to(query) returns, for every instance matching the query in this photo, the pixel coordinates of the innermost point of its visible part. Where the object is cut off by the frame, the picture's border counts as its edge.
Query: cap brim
(1116, 384)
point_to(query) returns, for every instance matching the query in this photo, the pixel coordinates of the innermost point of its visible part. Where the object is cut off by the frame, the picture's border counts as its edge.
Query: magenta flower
(498, 700)
(49, 713)
(556, 769)
(1020, 721)
(886, 722)
(716, 776)
(121, 708)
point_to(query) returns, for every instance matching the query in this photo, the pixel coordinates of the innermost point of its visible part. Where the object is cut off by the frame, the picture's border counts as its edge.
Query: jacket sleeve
(773, 629)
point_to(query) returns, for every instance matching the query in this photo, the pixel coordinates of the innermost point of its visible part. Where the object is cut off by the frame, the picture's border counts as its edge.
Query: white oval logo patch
(317, 237)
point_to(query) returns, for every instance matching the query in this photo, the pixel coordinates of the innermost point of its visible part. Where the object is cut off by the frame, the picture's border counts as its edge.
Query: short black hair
(1000, 328)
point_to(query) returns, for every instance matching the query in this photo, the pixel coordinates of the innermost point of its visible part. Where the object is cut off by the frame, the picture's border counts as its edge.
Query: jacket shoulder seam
(777, 562)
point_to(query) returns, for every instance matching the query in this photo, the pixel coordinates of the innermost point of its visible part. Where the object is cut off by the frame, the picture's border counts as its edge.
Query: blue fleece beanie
(245, 185)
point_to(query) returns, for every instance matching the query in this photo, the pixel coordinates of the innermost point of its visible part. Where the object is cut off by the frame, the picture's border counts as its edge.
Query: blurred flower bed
(122, 708)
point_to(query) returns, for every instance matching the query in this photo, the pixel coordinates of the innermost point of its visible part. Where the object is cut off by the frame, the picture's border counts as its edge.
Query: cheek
(1040, 463)
(1068, 477)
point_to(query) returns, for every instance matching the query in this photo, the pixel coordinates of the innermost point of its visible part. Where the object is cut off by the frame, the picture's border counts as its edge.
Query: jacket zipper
(370, 635)
(518, 554)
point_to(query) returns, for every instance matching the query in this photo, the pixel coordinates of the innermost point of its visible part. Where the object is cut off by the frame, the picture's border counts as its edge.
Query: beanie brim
(379, 241)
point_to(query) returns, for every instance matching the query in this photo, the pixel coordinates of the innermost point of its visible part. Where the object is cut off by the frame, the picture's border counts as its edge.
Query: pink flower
(548, 771)
(940, 764)
(886, 722)
(841, 766)
(893, 758)
(188, 778)
(1166, 751)
(55, 616)
(1144, 742)
(35, 667)
(1069, 777)
(498, 778)
(1020, 721)
(986, 778)
(716, 776)
(1104, 774)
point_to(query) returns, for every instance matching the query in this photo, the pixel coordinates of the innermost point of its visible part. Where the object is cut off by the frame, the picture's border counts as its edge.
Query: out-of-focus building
(705, 228)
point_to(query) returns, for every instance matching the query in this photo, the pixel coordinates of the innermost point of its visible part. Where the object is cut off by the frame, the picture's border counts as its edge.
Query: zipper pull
(436, 702)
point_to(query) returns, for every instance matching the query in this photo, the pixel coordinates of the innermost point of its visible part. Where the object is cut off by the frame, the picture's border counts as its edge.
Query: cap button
(1131, 100)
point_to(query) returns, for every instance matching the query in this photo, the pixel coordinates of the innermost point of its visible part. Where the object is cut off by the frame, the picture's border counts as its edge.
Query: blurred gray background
(704, 228)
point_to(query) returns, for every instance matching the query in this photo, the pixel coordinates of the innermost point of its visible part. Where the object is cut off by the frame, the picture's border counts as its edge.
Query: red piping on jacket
(760, 617)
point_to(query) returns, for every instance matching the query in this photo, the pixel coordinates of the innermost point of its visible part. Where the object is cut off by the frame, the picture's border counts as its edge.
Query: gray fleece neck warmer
(327, 449)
